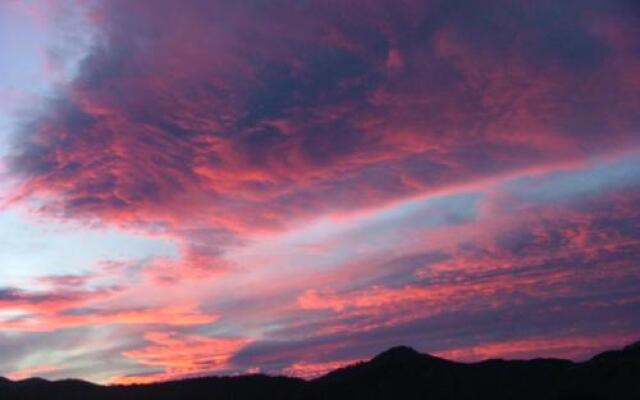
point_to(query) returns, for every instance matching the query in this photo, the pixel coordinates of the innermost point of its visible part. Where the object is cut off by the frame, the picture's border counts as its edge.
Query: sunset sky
(202, 187)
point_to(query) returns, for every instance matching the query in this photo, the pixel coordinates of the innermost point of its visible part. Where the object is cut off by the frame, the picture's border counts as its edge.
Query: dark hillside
(398, 373)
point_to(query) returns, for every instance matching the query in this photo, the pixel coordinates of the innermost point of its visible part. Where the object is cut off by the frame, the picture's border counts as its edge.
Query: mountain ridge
(399, 372)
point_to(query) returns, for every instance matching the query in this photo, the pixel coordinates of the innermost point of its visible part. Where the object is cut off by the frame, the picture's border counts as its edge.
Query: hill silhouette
(398, 373)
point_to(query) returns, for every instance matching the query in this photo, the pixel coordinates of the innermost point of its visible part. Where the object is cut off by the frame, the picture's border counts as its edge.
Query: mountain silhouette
(402, 354)
(398, 373)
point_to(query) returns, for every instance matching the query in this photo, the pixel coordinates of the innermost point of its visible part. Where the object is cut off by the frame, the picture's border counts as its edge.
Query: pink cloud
(572, 347)
(181, 356)
(313, 370)
(181, 315)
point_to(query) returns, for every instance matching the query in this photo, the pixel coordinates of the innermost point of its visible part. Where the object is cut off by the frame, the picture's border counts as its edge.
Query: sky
(287, 186)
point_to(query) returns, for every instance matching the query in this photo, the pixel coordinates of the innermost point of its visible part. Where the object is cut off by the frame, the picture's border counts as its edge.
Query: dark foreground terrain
(399, 373)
